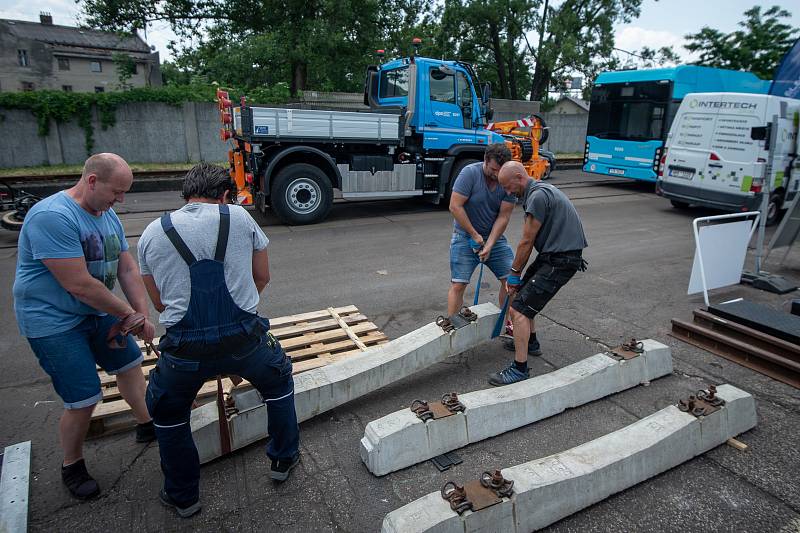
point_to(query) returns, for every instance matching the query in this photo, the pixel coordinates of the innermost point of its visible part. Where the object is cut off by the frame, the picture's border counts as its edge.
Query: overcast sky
(662, 23)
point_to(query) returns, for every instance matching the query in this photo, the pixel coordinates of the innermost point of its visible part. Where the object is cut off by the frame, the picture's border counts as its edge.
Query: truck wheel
(11, 221)
(774, 209)
(678, 204)
(301, 194)
(459, 166)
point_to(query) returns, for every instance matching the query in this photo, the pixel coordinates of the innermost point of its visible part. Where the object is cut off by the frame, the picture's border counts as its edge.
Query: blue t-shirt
(482, 205)
(56, 228)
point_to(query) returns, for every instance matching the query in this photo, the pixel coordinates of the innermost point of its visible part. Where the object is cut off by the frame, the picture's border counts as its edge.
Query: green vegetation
(758, 47)
(62, 107)
(50, 170)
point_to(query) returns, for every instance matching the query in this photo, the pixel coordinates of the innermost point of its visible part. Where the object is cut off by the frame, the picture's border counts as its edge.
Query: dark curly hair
(205, 180)
(499, 152)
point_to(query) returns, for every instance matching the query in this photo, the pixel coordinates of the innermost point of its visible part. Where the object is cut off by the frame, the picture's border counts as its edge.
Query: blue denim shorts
(463, 260)
(69, 358)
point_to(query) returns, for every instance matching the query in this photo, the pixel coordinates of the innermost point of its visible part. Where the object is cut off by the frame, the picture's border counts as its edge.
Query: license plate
(616, 171)
(685, 174)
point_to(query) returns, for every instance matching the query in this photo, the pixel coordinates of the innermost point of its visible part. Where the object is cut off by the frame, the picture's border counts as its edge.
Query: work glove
(475, 245)
(513, 283)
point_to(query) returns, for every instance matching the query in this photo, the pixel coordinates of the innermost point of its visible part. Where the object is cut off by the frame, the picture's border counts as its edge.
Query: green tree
(320, 44)
(757, 47)
(490, 34)
(572, 37)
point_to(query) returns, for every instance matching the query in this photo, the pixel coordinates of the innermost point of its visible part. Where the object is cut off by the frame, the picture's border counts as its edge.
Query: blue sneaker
(534, 348)
(508, 376)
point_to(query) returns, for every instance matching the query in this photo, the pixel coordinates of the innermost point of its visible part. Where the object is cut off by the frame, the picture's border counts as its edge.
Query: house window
(27, 86)
(67, 88)
(96, 66)
(99, 89)
(22, 58)
(63, 63)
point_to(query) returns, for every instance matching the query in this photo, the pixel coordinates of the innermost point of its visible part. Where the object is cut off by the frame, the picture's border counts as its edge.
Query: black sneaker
(279, 471)
(145, 432)
(77, 479)
(183, 512)
(534, 349)
(508, 376)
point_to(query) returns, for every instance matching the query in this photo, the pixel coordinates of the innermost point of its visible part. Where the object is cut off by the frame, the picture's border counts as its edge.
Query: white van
(718, 148)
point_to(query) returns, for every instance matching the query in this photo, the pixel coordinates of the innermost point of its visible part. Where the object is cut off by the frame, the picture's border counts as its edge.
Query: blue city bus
(632, 110)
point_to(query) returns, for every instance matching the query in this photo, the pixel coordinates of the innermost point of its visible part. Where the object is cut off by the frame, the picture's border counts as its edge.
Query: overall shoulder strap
(224, 230)
(175, 239)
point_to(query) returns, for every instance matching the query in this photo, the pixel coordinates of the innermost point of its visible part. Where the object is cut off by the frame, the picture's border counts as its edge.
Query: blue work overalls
(214, 337)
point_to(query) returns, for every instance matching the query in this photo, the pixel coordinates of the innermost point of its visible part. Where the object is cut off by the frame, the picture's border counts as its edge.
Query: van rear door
(710, 143)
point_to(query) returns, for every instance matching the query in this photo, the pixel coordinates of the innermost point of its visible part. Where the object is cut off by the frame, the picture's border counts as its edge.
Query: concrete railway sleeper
(406, 437)
(552, 488)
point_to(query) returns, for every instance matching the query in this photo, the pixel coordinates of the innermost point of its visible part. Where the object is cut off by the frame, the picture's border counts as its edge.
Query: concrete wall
(161, 133)
(567, 132)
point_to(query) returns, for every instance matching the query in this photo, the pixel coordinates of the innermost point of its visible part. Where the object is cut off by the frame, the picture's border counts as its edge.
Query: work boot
(508, 376)
(145, 432)
(183, 512)
(77, 479)
(279, 470)
(534, 349)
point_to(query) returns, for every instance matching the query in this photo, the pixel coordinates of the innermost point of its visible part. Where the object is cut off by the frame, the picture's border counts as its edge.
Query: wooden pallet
(311, 340)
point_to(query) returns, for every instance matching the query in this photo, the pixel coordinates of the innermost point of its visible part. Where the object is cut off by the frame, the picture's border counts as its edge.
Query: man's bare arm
(529, 231)
(131, 282)
(498, 228)
(153, 292)
(72, 274)
(260, 269)
(457, 202)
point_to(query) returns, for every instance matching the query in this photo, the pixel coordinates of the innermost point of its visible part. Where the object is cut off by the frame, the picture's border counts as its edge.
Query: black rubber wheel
(774, 209)
(459, 166)
(11, 221)
(545, 131)
(301, 194)
(548, 171)
(678, 204)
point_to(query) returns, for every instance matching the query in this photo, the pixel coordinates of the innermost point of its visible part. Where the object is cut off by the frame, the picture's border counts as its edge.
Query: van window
(693, 130)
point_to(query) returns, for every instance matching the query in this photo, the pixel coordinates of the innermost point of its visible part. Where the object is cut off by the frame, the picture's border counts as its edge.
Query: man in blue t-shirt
(71, 252)
(481, 209)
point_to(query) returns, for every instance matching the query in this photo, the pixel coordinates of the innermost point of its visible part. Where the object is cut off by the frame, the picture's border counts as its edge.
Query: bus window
(633, 111)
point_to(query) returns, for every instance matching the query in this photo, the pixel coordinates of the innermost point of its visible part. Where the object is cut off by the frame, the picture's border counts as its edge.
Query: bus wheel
(301, 194)
(679, 205)
(774, 209)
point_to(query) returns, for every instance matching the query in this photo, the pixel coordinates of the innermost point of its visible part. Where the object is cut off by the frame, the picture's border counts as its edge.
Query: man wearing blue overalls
(207, 291)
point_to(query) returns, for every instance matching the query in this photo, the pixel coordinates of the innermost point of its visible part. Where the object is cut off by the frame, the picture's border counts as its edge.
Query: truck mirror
(486, 92)
(758, 133)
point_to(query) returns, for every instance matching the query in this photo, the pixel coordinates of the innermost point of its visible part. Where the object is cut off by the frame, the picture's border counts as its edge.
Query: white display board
(723, 248)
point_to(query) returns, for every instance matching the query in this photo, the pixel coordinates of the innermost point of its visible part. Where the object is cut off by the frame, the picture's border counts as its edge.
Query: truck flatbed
(269, 123)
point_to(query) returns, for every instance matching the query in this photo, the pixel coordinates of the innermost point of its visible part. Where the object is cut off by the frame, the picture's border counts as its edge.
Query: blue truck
(427, 119)
(632, 110)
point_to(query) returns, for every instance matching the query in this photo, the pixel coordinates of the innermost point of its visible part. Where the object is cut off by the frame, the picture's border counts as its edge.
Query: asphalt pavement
(391, 260)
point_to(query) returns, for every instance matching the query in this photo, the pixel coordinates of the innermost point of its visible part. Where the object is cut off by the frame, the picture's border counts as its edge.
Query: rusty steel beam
(758, 354)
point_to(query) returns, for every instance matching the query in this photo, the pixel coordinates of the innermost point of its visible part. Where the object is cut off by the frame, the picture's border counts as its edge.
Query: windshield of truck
(633, 111)
(394, 83)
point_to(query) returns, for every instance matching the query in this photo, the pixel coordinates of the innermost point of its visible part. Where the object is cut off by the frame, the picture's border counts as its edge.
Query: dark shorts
(546, 275)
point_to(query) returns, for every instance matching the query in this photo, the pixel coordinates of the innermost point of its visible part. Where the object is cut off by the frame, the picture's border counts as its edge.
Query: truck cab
(441, 100)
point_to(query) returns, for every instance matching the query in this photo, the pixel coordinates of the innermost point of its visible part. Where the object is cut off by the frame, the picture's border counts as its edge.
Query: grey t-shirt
(561, 229)
(483, 205)
(198, 226)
